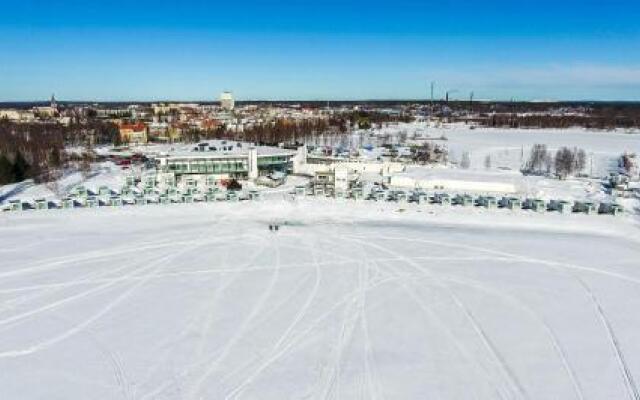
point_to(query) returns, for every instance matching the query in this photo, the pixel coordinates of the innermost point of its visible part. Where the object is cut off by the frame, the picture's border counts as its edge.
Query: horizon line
(346, 100)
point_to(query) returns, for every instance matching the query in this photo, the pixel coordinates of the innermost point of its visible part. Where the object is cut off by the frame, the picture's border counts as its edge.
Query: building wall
(253, 163)
(451, 184)
(11, 115)
(246, 165)
(226, 101)
(134, 133)
(45, 111)
(300, 160)
(341, 176)
(385, 169)
(132, 136)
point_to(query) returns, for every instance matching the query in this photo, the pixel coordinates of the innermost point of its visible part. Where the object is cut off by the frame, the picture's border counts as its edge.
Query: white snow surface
(101, 174)
(365, 300)
(509, 148)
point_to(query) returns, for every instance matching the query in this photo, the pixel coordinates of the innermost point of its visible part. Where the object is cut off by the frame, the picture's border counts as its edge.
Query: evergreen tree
(6, 170)
(56, 159)
(20, 168)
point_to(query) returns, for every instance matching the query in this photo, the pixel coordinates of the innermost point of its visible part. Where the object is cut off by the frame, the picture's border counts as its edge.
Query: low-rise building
(324, 183)
(134, 133)
(17, 115)
(225, 159)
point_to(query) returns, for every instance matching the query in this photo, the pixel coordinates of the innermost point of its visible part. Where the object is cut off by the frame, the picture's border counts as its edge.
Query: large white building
(226, 101)
(225, 159)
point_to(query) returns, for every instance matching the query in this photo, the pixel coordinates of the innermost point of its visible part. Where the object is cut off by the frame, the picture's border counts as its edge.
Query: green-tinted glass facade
(271, 160)
(208, 166)
(234, 166)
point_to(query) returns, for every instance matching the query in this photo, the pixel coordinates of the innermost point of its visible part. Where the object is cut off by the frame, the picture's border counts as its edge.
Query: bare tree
(402, 136)
(628, 163)
(547, 162)
(564, 162)
(539, 160)
(430, 153)
(580, 160)
(487, 161)
(569, 161)
(465, 161)
(85, 165)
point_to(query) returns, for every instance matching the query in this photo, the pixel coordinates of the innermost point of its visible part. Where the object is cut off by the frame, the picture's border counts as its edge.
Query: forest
(37, 151)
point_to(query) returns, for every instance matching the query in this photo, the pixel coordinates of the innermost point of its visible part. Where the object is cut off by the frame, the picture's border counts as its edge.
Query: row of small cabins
(139, 190)
(466, 200)
(134, 192)
(148, 191)
(119, 201)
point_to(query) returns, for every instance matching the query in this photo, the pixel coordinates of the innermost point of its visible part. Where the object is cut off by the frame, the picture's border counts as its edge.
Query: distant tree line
(292, 132)
(366, 119)
(289, 132)
(268, 133)
(37, 151)
(29, 151)
(273, 133)
(93, 132)
(605, 122)
(532, 115)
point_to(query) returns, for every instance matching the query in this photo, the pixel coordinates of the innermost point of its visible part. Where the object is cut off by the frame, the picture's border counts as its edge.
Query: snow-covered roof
(211, 148)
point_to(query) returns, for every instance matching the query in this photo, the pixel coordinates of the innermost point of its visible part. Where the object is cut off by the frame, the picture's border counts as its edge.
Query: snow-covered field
(202, 301)
(509, 148)
(505, 146)
(508, 151)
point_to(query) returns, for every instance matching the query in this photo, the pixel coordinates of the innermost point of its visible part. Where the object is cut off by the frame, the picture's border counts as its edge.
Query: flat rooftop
(210, 148)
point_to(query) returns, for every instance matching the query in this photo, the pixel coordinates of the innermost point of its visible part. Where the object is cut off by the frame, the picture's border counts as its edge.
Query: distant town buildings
(281, 122)
(49, 111)
(18, 115)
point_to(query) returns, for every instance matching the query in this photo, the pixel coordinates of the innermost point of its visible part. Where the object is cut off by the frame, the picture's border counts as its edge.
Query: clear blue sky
(192, 50)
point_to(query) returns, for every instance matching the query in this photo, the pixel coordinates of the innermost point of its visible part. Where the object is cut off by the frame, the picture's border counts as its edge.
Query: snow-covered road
(202, 301)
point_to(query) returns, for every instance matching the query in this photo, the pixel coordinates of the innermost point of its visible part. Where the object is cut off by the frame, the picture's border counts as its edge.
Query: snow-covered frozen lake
(509, 148)
(202, 301)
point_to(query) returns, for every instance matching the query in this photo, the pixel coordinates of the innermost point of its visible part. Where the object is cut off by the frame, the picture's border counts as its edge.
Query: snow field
(202, 301)
(509, 148)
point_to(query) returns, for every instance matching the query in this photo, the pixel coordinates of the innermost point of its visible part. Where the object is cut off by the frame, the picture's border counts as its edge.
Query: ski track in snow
(522, 306)
(511, 376)
(627, 376)
(258, 306)
(331, 282)
(154, 266)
